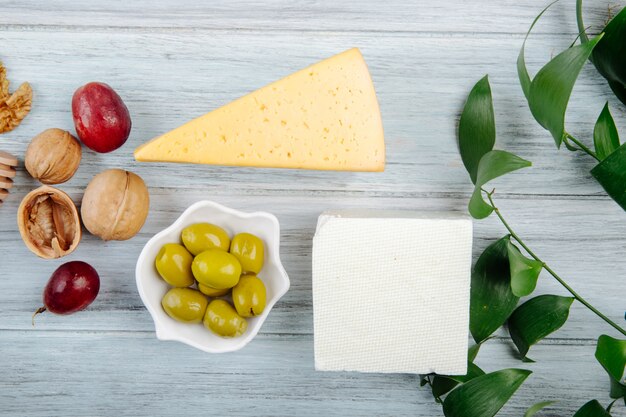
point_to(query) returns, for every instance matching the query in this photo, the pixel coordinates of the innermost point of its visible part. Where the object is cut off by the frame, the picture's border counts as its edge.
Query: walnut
(49, 223)
(13, 107)
(53, 156)
(115, 205)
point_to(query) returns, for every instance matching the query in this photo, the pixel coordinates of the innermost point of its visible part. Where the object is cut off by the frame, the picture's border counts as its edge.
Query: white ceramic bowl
(152, 288)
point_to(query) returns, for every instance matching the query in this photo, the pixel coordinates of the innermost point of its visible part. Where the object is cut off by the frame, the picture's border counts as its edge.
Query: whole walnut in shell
(115, 205)
(48, 222)
(53, 156)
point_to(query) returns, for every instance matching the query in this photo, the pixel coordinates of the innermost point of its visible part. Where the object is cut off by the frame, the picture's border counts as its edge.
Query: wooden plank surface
(172, 62)
(408, 16)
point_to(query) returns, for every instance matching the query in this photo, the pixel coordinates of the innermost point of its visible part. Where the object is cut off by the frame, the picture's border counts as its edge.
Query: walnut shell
(115, 205)
(53, 156)
(49, 223)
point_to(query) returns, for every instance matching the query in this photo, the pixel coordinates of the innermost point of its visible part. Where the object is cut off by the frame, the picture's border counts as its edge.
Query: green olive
(222, 319)
(185, 305)
(212, 292)
(173, 263)
(249, 296)
(202, 236)
(249, 250)
(216, 269)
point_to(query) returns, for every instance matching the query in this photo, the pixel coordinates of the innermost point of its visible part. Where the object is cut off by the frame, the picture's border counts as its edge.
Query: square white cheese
(391, 292)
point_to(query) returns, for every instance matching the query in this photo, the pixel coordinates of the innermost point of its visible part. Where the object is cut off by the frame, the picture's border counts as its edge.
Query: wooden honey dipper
(8, 163)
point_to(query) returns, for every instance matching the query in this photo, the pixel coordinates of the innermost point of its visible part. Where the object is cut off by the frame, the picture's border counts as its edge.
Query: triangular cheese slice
(324, 117)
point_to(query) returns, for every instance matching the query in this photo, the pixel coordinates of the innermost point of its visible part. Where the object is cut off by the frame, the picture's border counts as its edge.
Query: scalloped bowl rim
(274, 249)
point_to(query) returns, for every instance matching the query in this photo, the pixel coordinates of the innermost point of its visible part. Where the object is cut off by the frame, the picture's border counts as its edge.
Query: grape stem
(39, 311)
(547, 268)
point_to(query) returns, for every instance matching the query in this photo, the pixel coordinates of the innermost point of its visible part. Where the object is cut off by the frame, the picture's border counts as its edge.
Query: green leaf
(551, 88)
(549, 92)
(611, 174)
(611, 353)
(524, 271)
(485, 395)
(605, 136)
(492, 165)
(592, 409)
(473, 350)
(537, 407)
(610, 406)
(491, 300)
(609, 56)
(619, 90)
(617, 390)
(537, 318)
(442, 384)
(473, 371)
(522, 71)
(477, 127)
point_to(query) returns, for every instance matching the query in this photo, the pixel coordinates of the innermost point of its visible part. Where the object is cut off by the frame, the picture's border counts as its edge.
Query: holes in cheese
(323, 117)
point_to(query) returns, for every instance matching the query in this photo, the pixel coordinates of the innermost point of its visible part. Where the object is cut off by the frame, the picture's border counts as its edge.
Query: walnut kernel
(13, 107)
(48, 222)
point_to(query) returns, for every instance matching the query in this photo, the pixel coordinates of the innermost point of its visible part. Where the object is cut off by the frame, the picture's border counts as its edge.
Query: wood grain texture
(171, 62)
(408, 16)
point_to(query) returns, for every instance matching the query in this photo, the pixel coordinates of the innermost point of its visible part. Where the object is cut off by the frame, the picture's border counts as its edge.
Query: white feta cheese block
(391, 292)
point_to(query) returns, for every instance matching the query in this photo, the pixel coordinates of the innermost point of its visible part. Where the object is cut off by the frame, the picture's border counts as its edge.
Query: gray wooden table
(172, 61)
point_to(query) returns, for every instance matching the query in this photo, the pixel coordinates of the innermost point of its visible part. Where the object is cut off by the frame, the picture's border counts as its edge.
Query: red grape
(71, 288)
(101, 118)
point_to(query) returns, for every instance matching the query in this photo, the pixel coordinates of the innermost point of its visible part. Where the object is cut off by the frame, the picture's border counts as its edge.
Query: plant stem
(579, 20)
(550, 271)
(582, 146)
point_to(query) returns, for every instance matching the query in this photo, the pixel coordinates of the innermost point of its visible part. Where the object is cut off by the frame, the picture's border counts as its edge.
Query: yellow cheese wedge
(323, 117)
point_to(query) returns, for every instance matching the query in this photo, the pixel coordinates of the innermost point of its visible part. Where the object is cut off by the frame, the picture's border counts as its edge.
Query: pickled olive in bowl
(212, 292)
(173, 262)
(216, 269)
(185, 305)
(249, 250)
(199, 237)
(222, 319)
(249, 296)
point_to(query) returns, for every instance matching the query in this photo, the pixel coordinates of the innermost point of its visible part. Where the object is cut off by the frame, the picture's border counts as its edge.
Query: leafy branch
(548, 269)
(503, 274)
(548, 95)
(609, 57)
